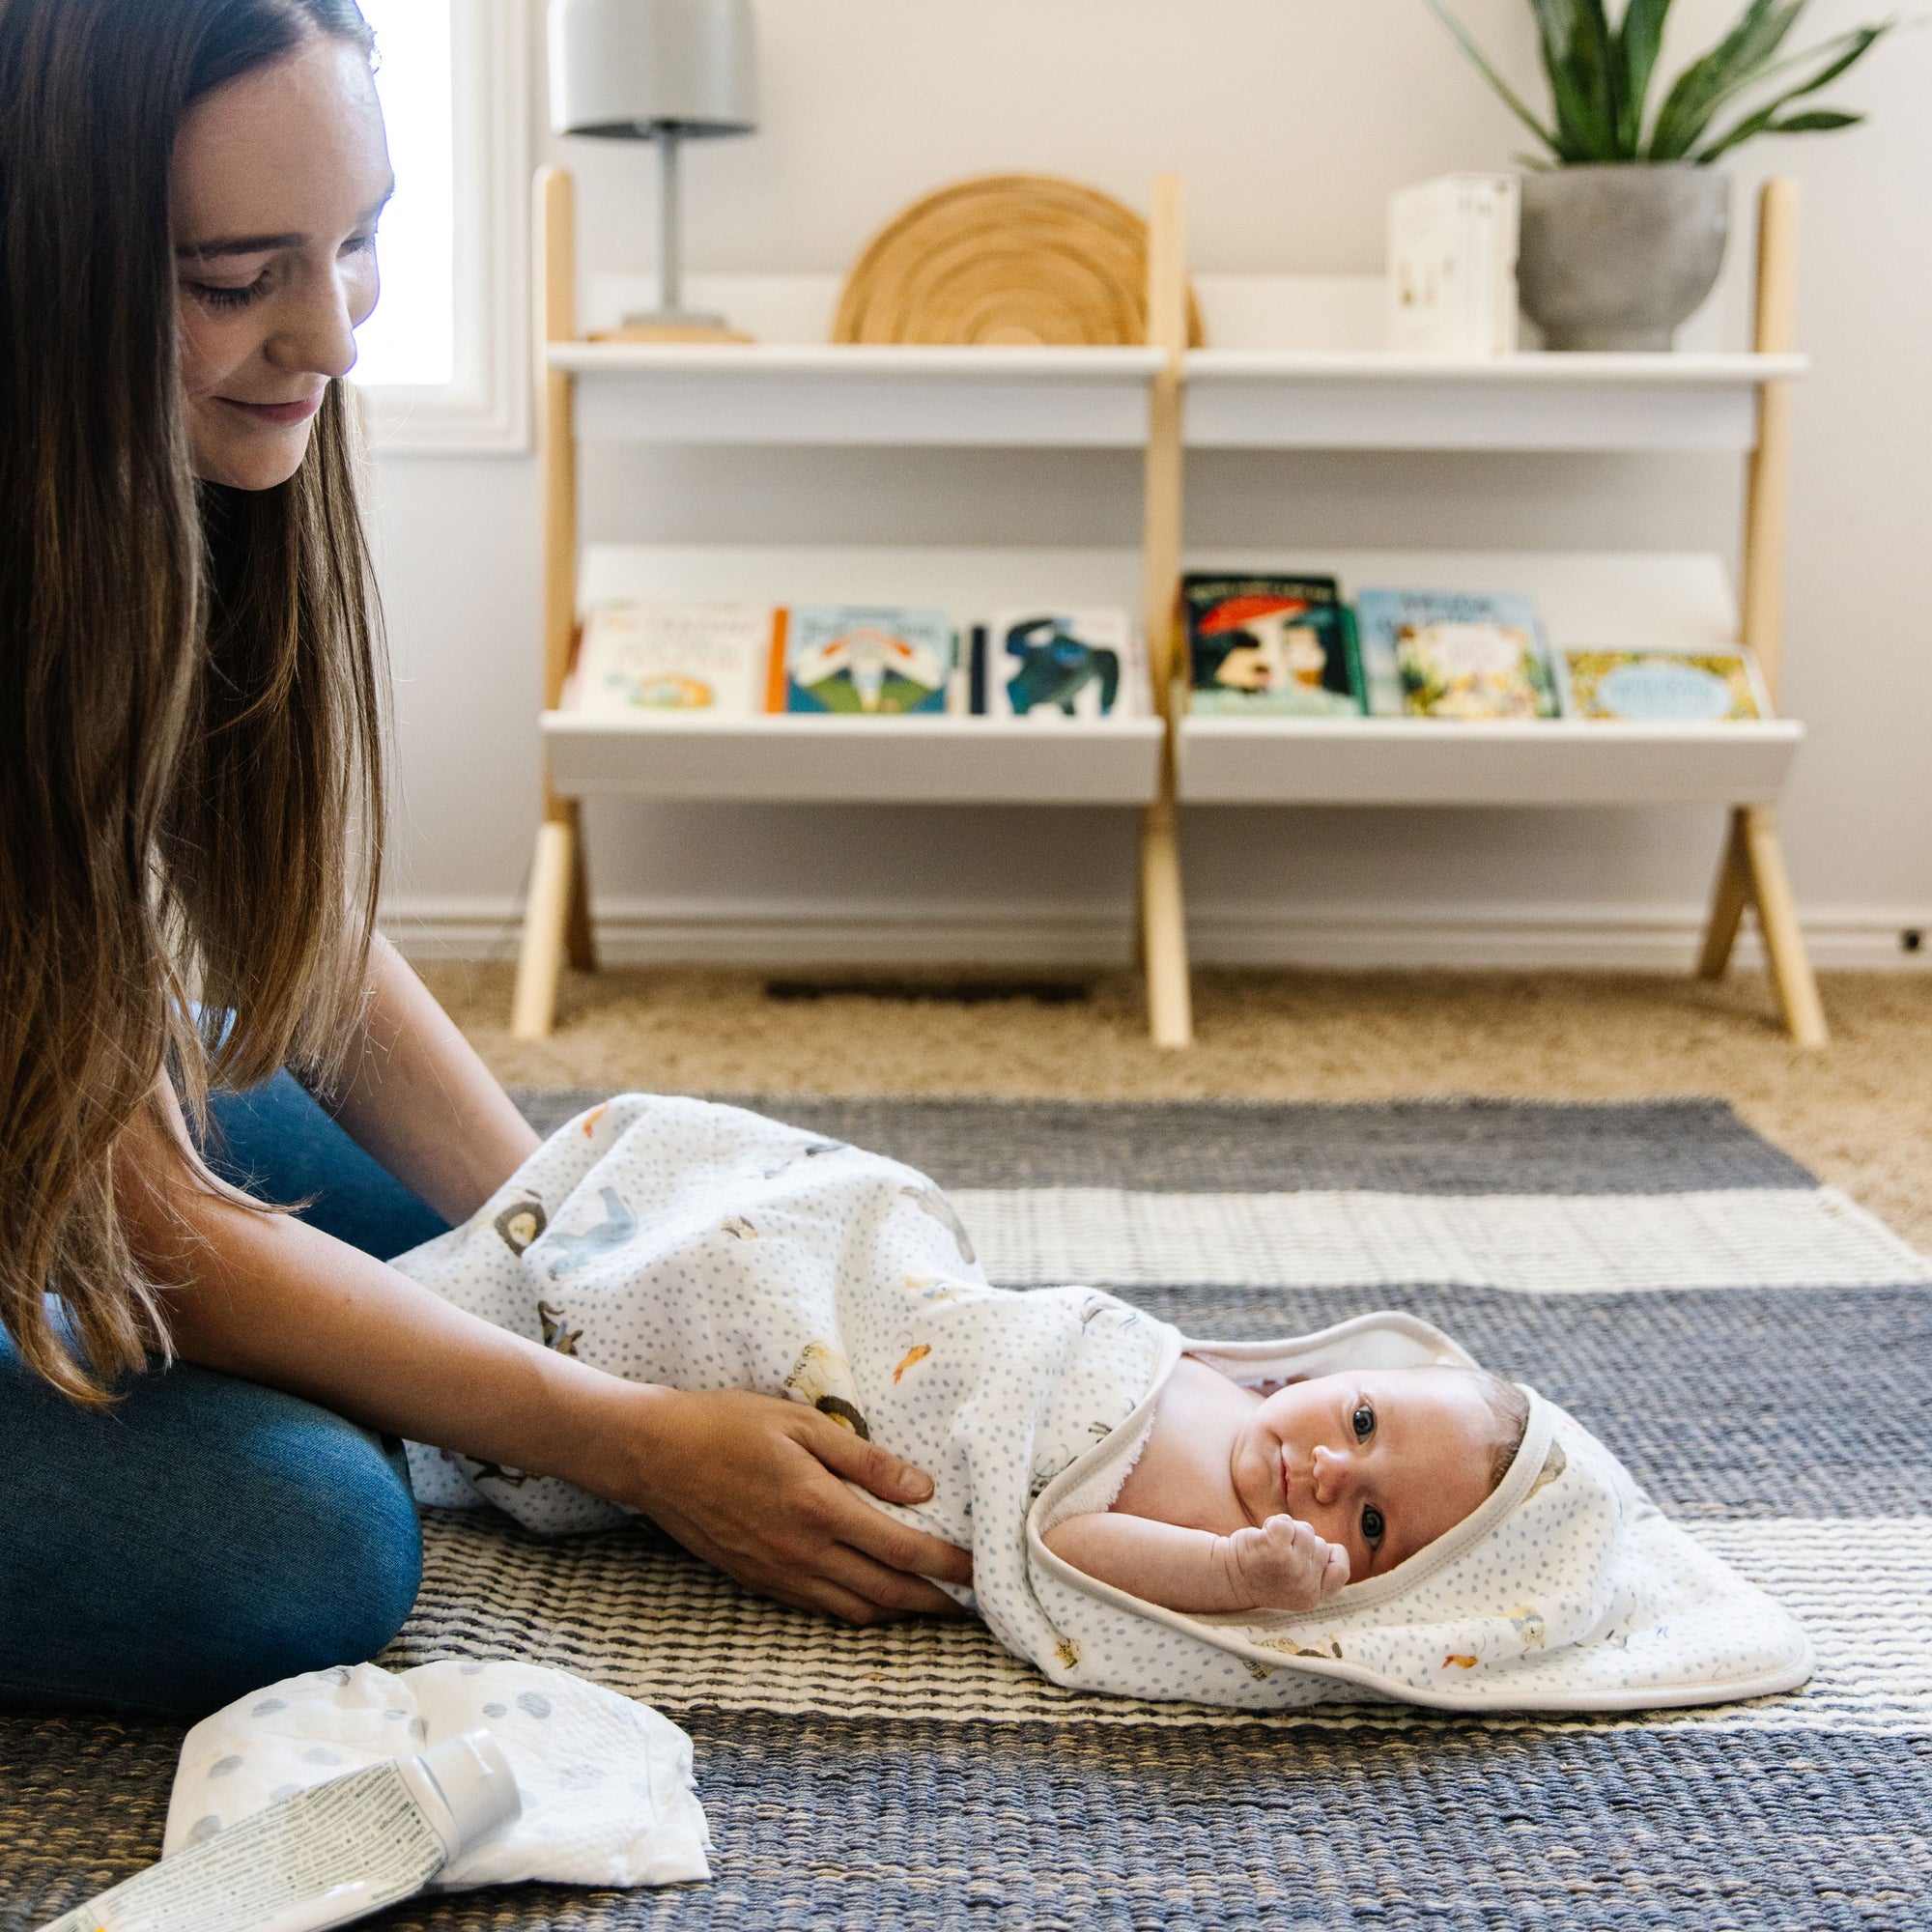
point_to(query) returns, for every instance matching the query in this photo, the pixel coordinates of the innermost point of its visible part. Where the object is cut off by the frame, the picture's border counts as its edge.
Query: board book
(645, 656)
(1455, 654)
(1662, 687)
(1262, 646)
(867, 660)
(1048, 663)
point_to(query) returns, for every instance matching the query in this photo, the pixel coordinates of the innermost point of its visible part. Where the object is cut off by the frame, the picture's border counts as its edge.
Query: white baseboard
(774, 934)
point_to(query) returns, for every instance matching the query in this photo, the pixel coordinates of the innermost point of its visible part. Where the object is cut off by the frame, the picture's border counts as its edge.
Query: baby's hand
(1284, 1565)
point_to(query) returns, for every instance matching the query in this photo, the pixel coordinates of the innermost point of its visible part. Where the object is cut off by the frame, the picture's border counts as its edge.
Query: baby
(1075, 1443)
(1245, 1502)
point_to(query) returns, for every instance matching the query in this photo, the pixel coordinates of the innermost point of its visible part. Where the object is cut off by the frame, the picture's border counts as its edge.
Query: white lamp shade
(630, 68)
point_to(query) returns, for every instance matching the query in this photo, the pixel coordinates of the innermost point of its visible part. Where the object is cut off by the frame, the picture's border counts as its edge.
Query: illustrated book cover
(646, 656)
(1455, 654)
(868, 660)
(1265, 646)
(1042, 663)
(1663, 686)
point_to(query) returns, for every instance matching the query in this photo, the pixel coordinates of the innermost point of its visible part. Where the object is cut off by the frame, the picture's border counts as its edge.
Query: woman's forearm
(270, 1299)
(751, 1483)
(417, 1097)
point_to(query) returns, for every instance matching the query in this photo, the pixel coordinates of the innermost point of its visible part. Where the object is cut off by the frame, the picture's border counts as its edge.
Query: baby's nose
(1326, 1474)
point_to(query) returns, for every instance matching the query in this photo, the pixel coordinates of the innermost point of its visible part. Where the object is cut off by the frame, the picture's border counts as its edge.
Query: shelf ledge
(1492, 762)
(1279, 399)
(830, 759)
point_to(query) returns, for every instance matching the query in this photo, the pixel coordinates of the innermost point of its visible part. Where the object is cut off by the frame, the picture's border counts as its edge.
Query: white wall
(1291, 119)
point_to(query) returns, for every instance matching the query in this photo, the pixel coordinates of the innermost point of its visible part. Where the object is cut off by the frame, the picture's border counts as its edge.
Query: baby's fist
(1285, 1564)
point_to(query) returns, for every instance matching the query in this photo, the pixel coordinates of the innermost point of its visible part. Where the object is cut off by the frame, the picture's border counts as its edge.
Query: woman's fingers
(888, 1589)
(864, 1462)
(752, 1484)
(893, 1545)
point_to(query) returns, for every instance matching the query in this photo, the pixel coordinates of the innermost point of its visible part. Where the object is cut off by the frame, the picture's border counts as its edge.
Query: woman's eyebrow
(241, 245)
(267, 245)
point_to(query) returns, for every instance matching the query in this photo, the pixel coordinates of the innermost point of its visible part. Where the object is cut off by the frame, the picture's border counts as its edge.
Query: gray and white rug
(1756, 1348)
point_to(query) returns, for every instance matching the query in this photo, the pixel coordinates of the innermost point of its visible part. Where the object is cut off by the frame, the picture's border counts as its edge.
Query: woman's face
(278, 180)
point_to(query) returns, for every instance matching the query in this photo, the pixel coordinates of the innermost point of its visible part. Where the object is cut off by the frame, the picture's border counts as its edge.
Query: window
(441, 360)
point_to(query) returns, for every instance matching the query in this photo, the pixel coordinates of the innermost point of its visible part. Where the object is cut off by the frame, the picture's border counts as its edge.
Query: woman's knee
(203, 1537)
(334, 1569)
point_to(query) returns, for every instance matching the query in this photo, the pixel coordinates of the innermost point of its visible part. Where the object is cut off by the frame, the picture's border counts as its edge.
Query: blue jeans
(206, 1536)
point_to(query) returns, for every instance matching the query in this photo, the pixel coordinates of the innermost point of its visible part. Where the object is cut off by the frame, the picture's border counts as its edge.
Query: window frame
(486, 408)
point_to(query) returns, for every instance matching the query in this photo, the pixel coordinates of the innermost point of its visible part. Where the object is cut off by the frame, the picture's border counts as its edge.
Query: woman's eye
(359, 245)
(216, 297)
(1363, 1422)
(1372, 1527)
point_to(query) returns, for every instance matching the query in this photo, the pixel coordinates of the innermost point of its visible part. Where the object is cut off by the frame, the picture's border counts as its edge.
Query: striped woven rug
(1755, 1347)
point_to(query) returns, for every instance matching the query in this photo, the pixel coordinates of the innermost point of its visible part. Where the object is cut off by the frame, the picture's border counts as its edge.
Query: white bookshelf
(1283, 399)
(783, 393)
(1520, 762)
(1617, 600)
(806, 759)
(827, 760)
(1295, 365)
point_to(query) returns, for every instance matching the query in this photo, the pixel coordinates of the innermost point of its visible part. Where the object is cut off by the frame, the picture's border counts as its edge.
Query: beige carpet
(1860, 1114)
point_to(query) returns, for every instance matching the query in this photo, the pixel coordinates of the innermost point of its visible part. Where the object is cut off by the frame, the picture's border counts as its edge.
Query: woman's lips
(281, 415)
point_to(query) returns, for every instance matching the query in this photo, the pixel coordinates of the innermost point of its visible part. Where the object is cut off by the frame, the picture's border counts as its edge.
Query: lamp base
(671, 325)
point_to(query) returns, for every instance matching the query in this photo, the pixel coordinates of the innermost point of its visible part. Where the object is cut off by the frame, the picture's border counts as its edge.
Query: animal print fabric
(705, 1247)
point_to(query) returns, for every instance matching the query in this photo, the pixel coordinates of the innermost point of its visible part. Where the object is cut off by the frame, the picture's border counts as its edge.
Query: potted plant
(1624, 224)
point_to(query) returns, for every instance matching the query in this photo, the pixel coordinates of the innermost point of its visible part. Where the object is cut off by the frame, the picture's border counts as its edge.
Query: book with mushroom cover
(867, 660)
(1047, 662)
(644, 656)
(1267, 645)
(1663, 686)
(1455, 654)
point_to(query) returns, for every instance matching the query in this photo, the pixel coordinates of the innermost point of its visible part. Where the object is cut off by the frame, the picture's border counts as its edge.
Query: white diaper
(606, 1782)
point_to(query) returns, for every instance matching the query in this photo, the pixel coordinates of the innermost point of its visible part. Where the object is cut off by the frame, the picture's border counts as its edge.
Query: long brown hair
(191, 690)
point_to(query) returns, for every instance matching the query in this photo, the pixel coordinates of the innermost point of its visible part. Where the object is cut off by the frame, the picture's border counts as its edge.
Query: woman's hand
(751, 1483)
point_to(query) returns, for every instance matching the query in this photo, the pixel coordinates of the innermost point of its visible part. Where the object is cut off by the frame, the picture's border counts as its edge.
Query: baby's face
(1382, 1462)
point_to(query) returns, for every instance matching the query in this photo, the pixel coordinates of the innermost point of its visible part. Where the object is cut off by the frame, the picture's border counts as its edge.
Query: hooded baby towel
(705, 1247)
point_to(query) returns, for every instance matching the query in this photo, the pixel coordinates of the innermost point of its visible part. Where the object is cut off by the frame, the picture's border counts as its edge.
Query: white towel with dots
(606, 1782)
(704, 1247)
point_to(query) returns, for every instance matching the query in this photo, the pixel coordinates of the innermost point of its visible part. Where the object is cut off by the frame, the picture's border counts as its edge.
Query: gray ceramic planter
(1616, 256)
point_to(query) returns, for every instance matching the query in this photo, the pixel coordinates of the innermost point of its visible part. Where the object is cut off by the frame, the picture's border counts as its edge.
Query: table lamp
(662, 70)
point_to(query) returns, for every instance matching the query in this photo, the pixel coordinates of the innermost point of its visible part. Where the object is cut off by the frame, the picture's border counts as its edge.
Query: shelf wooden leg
(1728, 903)
(1777, 917)
(580, 937)
(540, 965)
(1164, 930)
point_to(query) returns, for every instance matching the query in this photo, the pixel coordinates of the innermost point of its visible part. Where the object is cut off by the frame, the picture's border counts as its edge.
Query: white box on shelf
(1452, 247)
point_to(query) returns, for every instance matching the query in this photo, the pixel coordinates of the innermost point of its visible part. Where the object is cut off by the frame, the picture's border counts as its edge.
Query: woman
(195, 1384)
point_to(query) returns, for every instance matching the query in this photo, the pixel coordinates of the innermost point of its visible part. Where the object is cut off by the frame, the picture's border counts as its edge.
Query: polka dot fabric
(705, 1247)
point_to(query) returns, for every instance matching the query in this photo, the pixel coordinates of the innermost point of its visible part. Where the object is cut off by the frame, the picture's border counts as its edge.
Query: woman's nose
(319, 337)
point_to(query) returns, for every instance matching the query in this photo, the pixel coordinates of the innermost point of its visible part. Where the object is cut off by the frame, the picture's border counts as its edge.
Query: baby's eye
(1363, 1422)
(1372, 1525)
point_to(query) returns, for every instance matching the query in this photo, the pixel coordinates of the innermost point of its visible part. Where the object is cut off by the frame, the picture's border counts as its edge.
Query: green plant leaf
(1764, 120)
(1734, 64)
(1815, 120)
(1639, 38)
(1577, 57)
(1481, 61)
